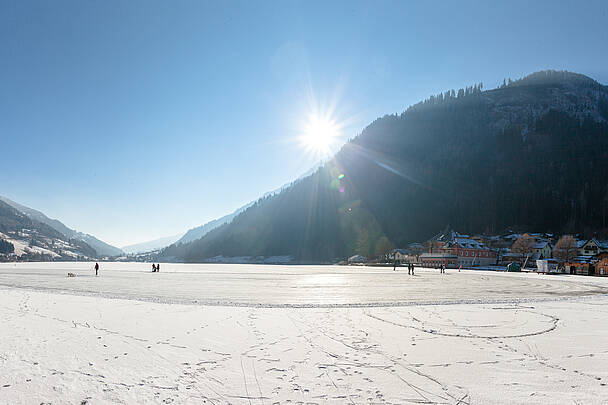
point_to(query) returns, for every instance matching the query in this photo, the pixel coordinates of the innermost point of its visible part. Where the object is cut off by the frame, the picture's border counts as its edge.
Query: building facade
(468, 252)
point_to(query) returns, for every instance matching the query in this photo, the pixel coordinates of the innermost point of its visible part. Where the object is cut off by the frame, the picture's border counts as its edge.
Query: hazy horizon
(135, 121)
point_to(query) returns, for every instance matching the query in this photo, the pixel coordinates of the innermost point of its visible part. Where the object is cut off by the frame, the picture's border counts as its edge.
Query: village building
(593, 247)
(542, 250)
(400, 255)
(458, 250)
(437, 259)
(601, 267)
(357, 259)
(581, 266)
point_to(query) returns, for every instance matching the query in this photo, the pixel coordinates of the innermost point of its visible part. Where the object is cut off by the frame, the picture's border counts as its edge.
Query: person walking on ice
(96, 269)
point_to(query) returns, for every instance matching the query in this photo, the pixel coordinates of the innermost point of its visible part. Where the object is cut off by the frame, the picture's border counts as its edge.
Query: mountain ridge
(480, 160)
(101, 248)
(24, 238)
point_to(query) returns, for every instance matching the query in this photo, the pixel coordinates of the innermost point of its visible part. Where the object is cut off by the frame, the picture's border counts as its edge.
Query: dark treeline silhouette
(531, 154)
(6, 247)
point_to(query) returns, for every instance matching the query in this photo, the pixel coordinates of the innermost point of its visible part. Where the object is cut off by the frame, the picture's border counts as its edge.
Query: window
(466, 253)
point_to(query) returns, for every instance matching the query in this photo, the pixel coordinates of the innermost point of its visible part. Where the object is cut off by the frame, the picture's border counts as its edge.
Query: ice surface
(306, 286)
(63, 340)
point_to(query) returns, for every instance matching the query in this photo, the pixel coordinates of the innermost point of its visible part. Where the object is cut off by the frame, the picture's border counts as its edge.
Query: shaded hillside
(532, 153)
(102, 248)
(200, 231)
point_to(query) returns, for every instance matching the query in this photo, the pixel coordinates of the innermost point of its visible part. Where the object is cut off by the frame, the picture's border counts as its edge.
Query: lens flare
(320, 135)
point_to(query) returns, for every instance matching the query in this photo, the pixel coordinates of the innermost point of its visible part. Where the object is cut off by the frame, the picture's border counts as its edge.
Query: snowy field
(250, 334)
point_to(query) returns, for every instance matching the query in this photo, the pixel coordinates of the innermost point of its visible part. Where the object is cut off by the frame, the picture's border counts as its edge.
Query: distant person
(153, 268)
(442, 269)
(409, 268)
(96, 269)
(158, 268)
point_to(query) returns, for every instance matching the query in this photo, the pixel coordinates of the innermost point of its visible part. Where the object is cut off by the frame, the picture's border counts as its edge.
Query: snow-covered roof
(540, 245)
(438, 255)
(582, 259)
(469, 243)
(602, 244)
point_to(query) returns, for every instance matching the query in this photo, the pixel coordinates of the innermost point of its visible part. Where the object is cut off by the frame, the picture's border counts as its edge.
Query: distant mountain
(102, 248)
(531, 153)
(200, 231)
(151, 245)
(25, 238)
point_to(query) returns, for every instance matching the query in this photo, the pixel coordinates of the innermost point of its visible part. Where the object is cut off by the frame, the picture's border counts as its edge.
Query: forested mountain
(200, 231)
(531, 153)
(24, 238)
(102, 248)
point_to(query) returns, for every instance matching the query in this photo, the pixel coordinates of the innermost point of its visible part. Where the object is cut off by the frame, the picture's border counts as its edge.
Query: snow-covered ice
(259, 334)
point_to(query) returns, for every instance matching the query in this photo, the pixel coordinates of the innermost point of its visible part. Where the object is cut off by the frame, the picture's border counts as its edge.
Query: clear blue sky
(132, 120)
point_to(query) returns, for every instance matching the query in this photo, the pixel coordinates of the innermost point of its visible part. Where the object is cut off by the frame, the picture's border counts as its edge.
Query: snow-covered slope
(24, 238)
(101, 248)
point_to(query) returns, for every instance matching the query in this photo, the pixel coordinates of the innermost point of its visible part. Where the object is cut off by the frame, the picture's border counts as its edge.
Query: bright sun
(320, 134)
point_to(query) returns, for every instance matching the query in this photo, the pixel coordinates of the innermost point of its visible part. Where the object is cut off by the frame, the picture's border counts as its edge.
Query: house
(580, 265)
(468, 251)
(593, 247)
(601, 267)
(400, 255)
(357, 259)
(509, 257)
(542, 249)
(437, 259)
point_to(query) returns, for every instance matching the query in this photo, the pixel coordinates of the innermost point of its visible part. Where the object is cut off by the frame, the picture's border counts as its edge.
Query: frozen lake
(298, 334)
(275, 285)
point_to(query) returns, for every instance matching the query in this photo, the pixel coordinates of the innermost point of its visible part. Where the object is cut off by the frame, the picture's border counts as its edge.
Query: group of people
(410, 268)
(155, 268)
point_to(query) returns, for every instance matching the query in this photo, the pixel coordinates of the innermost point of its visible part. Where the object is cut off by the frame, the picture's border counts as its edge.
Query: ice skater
(158, 268)
(442, 269)
(409, 268)
(96, 269)
(153, 268)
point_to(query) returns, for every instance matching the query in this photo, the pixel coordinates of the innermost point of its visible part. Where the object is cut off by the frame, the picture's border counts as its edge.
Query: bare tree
(416, 249)
(524, 245)
(566, 248)
(493, 244)
(383, 247)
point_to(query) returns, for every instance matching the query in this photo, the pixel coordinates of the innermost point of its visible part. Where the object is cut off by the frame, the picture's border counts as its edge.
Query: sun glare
(320, 134)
